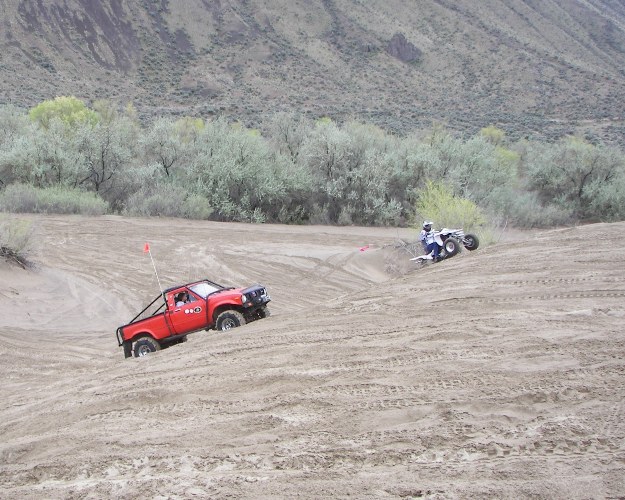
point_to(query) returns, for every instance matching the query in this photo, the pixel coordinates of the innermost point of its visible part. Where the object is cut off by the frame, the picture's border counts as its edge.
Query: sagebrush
(65, 158)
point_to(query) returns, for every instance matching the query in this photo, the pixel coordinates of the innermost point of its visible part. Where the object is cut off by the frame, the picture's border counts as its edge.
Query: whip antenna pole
(146, 249)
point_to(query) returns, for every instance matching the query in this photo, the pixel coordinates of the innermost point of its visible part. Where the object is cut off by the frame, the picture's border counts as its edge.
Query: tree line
(62, 156)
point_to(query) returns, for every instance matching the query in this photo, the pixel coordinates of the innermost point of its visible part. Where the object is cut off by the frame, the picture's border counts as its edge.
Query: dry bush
(16, 241)
(24, 198)
(167, 200)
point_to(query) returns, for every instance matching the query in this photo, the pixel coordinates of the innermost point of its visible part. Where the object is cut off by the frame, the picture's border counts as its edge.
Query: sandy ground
(498, 373)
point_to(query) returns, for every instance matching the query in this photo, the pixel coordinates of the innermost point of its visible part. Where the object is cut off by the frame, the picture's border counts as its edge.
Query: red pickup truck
(189, 308)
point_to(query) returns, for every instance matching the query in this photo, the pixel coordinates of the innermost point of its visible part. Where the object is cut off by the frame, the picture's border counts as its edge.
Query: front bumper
(255, 296)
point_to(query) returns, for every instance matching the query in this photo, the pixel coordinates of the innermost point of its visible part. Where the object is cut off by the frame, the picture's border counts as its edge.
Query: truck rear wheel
(229, 319)
(145, 346)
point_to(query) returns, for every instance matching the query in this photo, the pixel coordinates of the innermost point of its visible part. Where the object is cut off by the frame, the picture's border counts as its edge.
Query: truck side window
(183, 298)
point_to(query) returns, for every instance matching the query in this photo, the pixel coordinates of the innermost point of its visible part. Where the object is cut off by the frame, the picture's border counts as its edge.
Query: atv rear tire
(470, 242)
(229, 319)
(145, 346)
(452, 247)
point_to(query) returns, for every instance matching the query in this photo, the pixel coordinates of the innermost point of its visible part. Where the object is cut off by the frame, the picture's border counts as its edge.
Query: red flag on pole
(146, 249)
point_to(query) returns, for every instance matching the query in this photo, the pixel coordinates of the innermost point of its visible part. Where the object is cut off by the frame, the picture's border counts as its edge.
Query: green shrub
(585, 181)
(526, 211)
(437, 203)
(300, 172)
(23, 198)
(69, 110)
(242, 179)
(352, 176)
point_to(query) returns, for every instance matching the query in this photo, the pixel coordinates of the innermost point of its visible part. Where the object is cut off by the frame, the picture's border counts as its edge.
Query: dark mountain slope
(543, 67)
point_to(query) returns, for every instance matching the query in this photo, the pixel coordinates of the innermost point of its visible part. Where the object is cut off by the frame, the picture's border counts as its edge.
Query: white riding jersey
(427, 236)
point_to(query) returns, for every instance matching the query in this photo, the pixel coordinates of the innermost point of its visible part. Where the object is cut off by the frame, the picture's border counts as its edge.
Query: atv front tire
(229, 319)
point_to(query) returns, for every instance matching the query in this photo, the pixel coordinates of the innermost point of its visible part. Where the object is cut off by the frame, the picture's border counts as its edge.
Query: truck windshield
(204, 289)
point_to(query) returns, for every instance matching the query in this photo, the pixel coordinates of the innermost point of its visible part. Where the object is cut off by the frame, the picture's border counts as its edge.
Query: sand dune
(498, 373)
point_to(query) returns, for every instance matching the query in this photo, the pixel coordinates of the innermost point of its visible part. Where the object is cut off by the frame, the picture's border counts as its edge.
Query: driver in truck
(182, 298)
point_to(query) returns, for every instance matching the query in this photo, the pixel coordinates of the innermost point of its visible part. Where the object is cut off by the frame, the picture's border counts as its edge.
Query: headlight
(243, 299)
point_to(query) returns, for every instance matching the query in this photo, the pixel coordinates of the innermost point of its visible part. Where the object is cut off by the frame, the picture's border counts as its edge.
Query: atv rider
(427, 238)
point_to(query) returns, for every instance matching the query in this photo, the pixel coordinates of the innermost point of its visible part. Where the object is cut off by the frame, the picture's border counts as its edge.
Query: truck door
(188, 316)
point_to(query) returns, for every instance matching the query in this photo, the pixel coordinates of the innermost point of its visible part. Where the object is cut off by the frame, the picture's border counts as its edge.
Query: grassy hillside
(547, 68)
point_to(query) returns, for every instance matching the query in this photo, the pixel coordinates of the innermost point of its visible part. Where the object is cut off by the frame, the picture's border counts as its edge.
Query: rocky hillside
(545, 67)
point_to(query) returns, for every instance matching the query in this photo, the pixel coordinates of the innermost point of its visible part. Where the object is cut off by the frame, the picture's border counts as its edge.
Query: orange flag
(146, 248)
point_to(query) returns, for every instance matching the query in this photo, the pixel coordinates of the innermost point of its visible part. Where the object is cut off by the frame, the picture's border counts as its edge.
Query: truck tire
(263, 312)
(229, 319)
(145, 346)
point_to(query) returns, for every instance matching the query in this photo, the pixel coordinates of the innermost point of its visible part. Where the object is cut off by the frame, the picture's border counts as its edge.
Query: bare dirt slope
(499, 373)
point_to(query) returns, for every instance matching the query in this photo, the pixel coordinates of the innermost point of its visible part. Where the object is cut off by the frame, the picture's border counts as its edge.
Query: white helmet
(427, 225)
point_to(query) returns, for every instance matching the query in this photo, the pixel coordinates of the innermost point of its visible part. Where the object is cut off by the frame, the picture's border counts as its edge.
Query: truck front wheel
(145, 346)
(229, 319)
